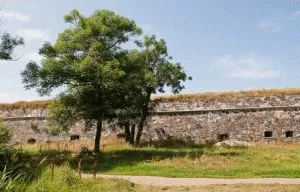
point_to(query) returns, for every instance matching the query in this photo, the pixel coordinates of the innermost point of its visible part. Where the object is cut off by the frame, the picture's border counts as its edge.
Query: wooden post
(95, 166)
(52, 171)
(79, 166)
(58, 147)
(66, 146)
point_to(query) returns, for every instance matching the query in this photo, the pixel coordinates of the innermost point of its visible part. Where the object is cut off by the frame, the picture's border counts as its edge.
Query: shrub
(10, 182)
(5, 134)
(64, 179)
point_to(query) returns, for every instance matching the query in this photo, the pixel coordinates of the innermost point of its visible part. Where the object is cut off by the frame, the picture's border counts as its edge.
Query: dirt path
(164, 181)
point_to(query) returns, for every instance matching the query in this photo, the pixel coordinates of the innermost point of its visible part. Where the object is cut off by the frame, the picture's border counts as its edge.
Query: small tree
(88, 62)
(5, 134)
(159, 72)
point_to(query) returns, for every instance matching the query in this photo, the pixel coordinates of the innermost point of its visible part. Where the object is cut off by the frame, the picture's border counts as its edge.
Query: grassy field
(178, 159)
(65, 180)
(229, 188)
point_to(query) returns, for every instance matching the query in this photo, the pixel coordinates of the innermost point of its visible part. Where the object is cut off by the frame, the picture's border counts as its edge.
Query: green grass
(230, 188)
(170, 159)
(65, 180)
(260, 161)
(263, 160)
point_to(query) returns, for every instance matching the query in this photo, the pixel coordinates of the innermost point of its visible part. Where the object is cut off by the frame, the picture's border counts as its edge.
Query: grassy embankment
(177, 159)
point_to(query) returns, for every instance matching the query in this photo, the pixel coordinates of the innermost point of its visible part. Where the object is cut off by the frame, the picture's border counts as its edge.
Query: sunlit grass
(229, 188)
(64, 179)
(262, 160)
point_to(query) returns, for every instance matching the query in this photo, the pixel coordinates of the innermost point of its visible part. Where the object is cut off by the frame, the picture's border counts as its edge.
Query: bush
(10, 182)
(5, 134)
(64, 179)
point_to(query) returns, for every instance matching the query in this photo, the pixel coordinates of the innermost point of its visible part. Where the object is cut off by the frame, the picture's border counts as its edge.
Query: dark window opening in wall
(74, 137)
(289, 134)
(268, 134)
(31, 141)
(223, 137)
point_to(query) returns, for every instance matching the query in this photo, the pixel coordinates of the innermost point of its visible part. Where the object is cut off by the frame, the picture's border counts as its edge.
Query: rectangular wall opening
(289, 134)
(223, 137)
(268, 134)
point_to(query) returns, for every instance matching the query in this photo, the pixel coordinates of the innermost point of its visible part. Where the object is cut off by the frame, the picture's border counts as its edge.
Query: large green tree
(88, 63)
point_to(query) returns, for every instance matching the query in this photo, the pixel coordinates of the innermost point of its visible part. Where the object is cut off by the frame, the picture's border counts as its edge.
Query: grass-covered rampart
(229, 95)
(179, 97)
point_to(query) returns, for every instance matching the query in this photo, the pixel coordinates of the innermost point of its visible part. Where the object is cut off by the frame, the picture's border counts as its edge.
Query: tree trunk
(98, 136)
(143, 117)
(140, 130)
(127, 131)
(132, 134)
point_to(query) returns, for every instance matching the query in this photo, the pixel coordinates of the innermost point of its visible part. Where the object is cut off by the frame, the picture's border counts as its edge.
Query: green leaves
(87, 61)
(8, 44)
(100, 79)
(74, 17)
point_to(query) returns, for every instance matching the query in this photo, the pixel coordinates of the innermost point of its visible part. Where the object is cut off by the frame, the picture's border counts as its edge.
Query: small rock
(233, 143)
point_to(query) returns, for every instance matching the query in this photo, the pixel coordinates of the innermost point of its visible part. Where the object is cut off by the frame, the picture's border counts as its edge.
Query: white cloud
(32, 57)
(148, 29)
(275, 23)
(270, 25)
(14, 16)
(249, 67)
(31, 34)
(296, 13)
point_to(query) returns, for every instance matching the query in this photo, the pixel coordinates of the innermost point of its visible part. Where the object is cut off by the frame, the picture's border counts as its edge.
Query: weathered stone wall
(241, 118)
(234, 102)
(239, 125)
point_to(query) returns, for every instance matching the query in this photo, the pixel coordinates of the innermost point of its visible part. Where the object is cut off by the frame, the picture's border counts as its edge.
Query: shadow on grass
(157, 151)
(176, 144)
(130, 157)
(30, 162)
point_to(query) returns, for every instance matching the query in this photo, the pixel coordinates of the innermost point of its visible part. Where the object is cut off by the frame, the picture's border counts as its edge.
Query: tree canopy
(100, 79)
(159, 72)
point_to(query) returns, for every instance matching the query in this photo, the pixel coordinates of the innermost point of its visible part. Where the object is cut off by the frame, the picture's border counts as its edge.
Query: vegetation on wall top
(179, 97)
(228, 95)
(25, 105)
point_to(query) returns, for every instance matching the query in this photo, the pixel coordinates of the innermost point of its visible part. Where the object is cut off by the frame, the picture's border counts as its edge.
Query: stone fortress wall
(247, 117)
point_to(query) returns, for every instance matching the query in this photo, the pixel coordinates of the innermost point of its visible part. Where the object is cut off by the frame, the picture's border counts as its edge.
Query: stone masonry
(239, 118)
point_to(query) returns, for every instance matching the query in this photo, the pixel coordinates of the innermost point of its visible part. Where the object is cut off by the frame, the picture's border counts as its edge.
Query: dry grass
(206, 161)
(229, 95)
(179, 97)
(25, 105)
(75, 146)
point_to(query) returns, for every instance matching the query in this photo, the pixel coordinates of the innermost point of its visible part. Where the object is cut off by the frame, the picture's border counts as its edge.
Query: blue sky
(223, 45)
